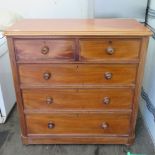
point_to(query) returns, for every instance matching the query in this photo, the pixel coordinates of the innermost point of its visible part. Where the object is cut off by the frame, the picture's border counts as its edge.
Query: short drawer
(109, 49)
(74, 74)
(78, 123)
(77, 99)
(44, 49)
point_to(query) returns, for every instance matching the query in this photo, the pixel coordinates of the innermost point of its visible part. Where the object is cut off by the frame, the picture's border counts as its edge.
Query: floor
(10, 143)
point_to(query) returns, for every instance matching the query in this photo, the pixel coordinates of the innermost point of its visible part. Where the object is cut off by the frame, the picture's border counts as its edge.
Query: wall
(129, 9)
(48, 8)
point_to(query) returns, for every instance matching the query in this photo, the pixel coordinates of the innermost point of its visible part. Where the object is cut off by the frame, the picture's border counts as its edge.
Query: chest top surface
(97, 27)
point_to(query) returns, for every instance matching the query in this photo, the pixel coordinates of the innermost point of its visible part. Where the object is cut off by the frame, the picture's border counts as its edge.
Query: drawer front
(78, 123)
(77, 74)
(109, 49)
(77, 99)
(38, 49)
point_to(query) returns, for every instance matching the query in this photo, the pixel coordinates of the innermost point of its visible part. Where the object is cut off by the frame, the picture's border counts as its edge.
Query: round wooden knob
(106, 100)
(46, 76)
(105, 125)
(110, 50)
(49, 100)
(51, 125)
(45, 50)
(108, 75)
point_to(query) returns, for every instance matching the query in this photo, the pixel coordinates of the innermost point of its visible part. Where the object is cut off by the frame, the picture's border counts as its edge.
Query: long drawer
(65, 74)
(77, 99)
(109, 49)
(78, 123)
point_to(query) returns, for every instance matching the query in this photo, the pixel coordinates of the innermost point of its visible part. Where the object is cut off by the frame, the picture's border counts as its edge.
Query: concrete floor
(10, 143)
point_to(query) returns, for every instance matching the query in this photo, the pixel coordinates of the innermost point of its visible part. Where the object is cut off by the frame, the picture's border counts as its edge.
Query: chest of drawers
(78, 81)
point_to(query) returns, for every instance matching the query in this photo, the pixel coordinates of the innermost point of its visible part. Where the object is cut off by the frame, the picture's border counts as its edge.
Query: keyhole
(110, 42)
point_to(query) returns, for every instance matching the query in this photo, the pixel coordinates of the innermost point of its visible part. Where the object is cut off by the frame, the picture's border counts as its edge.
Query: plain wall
(120, 9)
(48, 8)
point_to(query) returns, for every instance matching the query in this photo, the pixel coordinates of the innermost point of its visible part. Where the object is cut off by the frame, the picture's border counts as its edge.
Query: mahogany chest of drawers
(78, 81)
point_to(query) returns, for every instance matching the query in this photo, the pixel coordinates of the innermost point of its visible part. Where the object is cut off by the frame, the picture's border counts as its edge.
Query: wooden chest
(78, 81)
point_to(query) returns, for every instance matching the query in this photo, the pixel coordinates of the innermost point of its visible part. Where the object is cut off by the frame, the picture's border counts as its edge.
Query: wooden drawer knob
(110, 50)
(106, 100)
(45, 50)
(46, 75)
(108, 75)
(105, 125)
(51, 125)
(49, 100)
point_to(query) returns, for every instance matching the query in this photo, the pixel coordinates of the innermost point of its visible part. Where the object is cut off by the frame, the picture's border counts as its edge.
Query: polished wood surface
(77, 139)
(105, 49)
(139, 80)
(39, 49)
(65, 74)
(78, 123)
(78, 81)
(77, 99)
(17, 86)
(97, 27)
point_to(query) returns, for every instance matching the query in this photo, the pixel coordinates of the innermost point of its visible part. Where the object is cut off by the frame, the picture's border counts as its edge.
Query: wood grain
(17, 86)
(139, 80)
(78, 81)
(78, 27)
(78, 123)
(76, 140)
(76, 74)
(96, 49)
(77, 99)
(31, 49)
